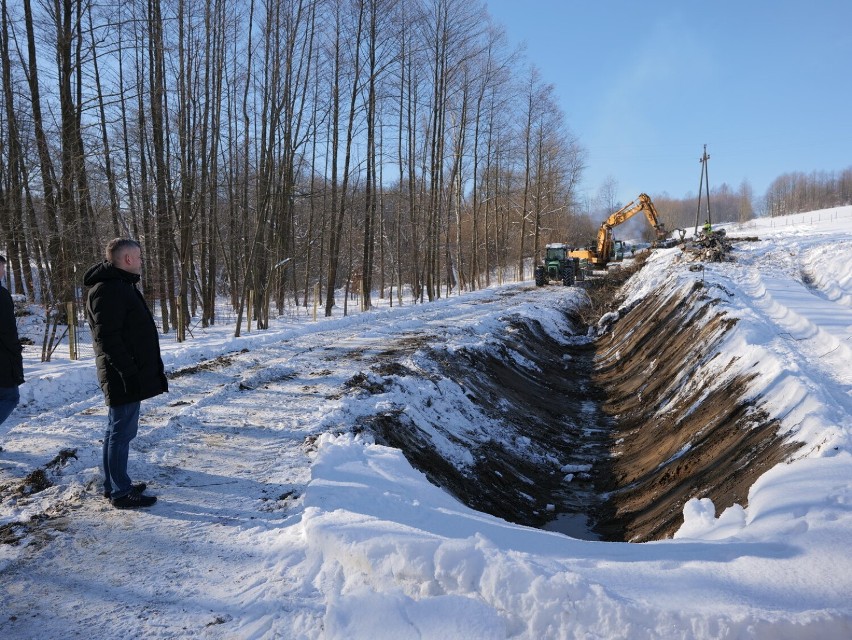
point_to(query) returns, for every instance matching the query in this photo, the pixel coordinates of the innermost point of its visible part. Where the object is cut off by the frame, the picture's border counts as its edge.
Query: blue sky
(767, 85)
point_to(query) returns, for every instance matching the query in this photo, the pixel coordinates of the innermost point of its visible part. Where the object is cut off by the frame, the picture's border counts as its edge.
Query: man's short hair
(118, 246)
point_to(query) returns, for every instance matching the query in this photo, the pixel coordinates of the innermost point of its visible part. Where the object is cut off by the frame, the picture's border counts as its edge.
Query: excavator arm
(604, 241)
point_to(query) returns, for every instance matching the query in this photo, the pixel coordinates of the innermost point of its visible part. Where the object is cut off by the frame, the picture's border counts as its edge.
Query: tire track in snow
(792, 307)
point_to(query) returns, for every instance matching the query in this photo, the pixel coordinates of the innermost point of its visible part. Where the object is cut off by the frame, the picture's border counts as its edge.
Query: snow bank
(391, 544)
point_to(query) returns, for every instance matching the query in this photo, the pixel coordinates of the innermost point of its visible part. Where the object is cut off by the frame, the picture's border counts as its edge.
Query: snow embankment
(402, 559)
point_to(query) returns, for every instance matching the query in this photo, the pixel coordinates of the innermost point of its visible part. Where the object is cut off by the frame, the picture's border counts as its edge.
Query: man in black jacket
(11, 362)
(127, 354)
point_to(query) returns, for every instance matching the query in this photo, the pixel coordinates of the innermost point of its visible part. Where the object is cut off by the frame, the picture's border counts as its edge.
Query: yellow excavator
(603, 251)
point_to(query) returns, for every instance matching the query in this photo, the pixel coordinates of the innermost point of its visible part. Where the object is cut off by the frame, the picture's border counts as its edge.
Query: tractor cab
(556, 251)
(557, 265)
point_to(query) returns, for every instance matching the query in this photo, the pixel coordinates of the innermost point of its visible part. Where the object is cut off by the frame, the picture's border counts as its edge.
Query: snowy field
(275, 521)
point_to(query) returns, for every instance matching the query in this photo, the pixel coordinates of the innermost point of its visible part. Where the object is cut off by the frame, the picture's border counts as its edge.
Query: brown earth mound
(665, 451)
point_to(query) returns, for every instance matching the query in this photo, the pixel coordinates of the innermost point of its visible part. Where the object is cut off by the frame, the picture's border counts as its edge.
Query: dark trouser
(122, 425)
(9, 397)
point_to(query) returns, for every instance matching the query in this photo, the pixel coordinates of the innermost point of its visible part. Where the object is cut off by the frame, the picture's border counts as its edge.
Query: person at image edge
(11, 361)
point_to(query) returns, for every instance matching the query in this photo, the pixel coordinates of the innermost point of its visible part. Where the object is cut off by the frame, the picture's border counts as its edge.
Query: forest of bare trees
(789, 193)
(274, 152)
(797, 192)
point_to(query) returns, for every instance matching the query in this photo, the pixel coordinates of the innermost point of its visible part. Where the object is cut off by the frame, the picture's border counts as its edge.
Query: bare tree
(607, 196)
(157, 89)
(11, 198)
(338, 200)
(48, 178)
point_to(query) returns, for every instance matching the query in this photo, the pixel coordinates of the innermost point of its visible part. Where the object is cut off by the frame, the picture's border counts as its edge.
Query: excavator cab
(606, 249)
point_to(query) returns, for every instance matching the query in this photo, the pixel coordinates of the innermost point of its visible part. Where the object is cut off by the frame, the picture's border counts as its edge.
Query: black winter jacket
(127, 346)
(11, 362)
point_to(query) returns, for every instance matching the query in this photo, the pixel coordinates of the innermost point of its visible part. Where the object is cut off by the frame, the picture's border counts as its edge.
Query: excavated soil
(706, 445)
(614, 430)
(551, 414)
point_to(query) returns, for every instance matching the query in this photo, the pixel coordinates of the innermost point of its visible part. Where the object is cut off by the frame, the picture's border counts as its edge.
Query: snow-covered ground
(275, 520)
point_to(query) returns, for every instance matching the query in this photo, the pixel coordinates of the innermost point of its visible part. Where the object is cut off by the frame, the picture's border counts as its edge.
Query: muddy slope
(548, 426)
(673, 439)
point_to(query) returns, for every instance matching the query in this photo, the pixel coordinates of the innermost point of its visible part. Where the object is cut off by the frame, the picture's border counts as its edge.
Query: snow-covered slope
(276, 521)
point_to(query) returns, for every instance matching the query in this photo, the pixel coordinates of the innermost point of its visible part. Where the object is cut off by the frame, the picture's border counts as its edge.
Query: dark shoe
(133, 501)
(139, 487)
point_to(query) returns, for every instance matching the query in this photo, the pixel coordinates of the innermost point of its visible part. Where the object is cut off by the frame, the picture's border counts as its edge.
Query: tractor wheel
(540, 276)
(568, 273)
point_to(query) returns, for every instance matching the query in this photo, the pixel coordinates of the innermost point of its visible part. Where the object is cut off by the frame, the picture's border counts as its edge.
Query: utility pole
(705, 183)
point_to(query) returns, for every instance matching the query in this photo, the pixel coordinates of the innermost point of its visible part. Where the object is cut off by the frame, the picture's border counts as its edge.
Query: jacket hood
(104, 271)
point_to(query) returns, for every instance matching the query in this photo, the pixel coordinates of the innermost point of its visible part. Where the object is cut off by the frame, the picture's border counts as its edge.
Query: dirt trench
(546, 424)
(601, 434)
(707, 444)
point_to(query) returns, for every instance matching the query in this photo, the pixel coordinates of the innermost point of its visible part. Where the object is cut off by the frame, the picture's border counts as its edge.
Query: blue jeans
(9, 397)
(122, 425)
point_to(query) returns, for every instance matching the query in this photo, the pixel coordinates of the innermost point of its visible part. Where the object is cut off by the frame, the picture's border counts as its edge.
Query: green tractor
(557, 266)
